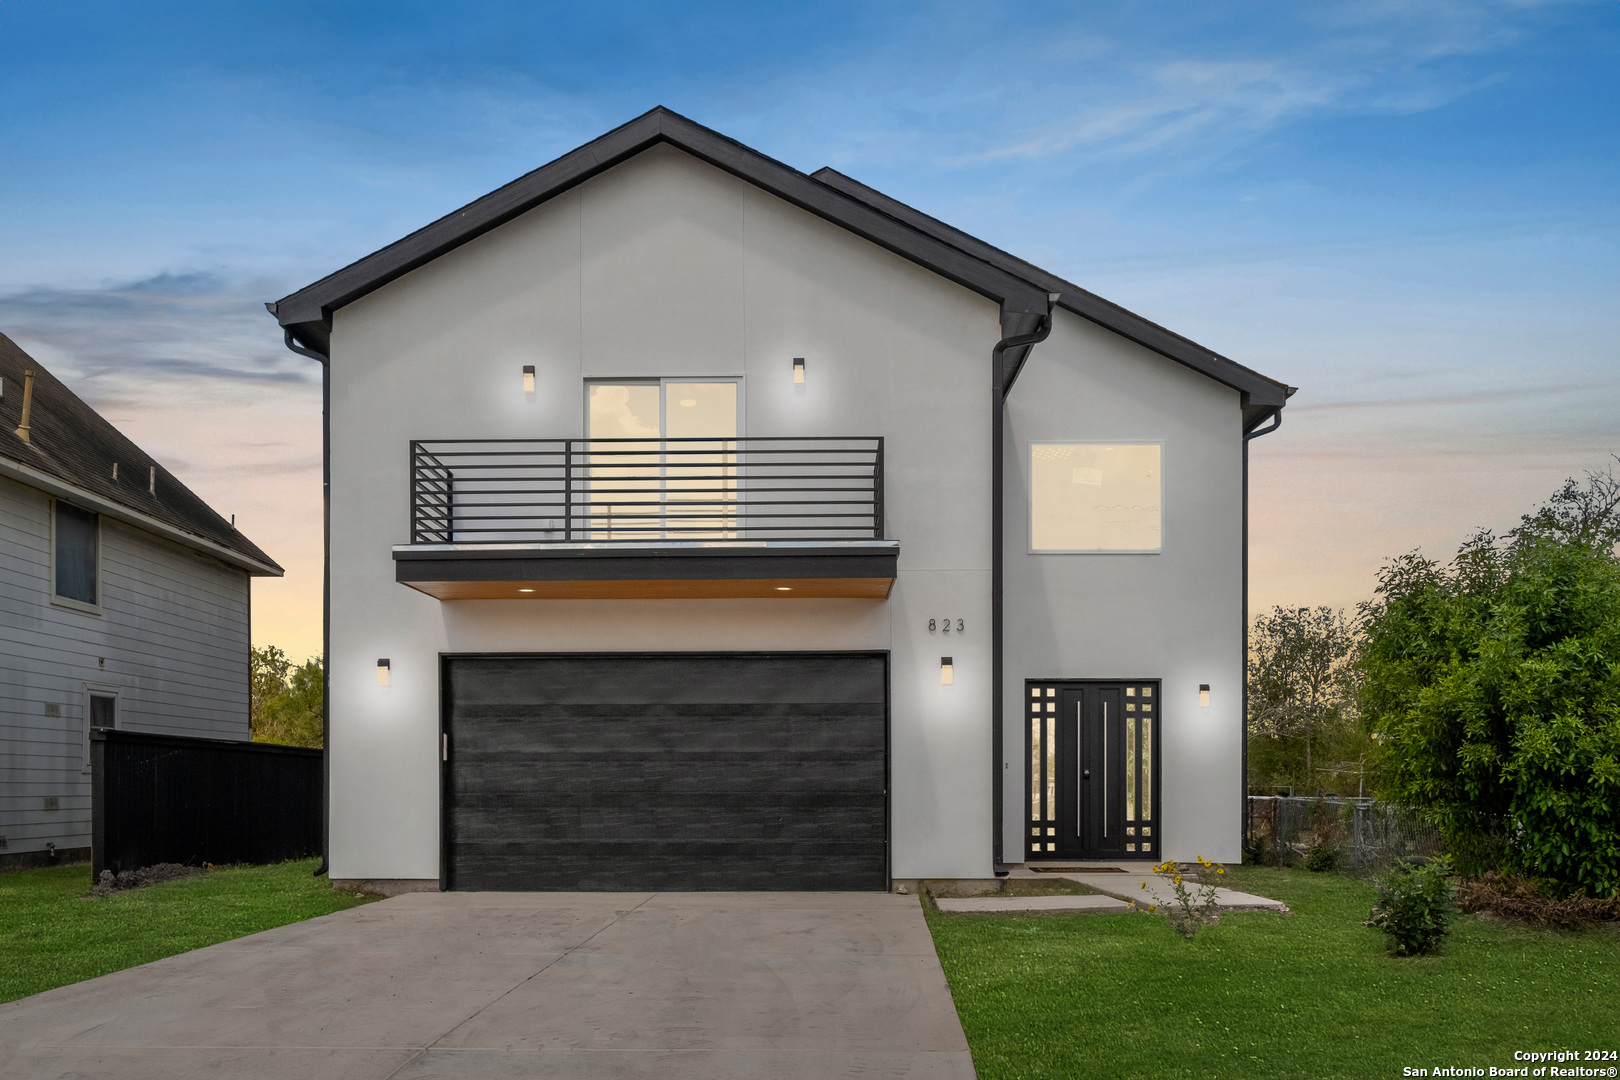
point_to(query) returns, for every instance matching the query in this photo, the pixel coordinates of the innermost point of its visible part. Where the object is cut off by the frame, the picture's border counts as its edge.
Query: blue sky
(1409, 210)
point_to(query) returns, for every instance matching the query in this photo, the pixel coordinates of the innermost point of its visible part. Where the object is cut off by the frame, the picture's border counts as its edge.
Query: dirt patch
(110, 882)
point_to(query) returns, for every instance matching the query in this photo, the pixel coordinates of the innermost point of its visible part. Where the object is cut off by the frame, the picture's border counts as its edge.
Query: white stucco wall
(663, 266)
(1175, 615)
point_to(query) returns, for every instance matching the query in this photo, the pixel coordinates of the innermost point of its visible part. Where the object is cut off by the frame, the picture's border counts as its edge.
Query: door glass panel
(1147, 768)
(1130, 771)
(701, 410)
(625, 478)
(701, 478)
(1035, 770)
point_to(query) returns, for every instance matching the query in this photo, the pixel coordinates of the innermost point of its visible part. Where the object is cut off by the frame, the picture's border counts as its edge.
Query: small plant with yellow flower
(1189, 909)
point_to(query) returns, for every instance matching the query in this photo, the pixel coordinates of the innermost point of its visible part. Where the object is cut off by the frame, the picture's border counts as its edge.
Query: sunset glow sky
(1408, 210)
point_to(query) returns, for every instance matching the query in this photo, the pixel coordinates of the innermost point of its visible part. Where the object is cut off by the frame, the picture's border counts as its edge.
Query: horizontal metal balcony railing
(555, 491)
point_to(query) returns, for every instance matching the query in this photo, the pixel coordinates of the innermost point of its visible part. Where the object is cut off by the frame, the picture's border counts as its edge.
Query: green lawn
(50, 937)
(1311, 995)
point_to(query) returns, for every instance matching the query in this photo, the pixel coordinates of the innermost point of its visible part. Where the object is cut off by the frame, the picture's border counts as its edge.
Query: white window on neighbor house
(76, 555)
(1095, 497)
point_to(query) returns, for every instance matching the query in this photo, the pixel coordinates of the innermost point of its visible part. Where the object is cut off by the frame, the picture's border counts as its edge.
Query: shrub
(1415, 905)
(1319, 859)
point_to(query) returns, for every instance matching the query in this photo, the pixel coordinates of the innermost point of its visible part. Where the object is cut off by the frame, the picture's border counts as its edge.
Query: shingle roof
(1017, 285)
(70, 442)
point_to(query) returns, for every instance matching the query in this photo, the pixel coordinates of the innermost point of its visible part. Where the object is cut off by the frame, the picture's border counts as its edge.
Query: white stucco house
(695, 522)
(124, 604)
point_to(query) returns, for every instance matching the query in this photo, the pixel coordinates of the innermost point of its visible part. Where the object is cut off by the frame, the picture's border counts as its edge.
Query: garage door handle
(1086, 775)
(444, 747)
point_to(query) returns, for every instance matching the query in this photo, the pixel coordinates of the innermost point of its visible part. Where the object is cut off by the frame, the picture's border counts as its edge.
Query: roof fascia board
(25, 474)
(1259, 389)
(308, 311)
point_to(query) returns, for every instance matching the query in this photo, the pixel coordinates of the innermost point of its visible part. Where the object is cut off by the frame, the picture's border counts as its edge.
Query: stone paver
(565, 985)
(1004, 904)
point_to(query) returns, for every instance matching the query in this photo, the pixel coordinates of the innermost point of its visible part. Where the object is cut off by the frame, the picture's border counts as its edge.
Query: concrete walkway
(1002, 905)
(1127, 885)
(791, 986)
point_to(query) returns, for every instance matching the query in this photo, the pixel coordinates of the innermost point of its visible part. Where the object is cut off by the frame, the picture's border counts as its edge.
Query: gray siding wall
(171, 641)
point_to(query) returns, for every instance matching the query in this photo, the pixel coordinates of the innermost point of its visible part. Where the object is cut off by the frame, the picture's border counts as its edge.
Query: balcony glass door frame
(661, 474)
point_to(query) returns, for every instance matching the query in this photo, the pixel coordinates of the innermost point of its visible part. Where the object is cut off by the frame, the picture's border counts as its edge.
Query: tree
(268, 670)
(1494, 684)
(1301, 684)
(287, 700)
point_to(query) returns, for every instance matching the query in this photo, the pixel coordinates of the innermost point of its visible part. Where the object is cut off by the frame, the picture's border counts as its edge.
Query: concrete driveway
(565, 985)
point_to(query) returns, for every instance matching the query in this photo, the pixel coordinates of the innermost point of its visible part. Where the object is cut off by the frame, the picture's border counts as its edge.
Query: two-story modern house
(699, 523)
(124, 603)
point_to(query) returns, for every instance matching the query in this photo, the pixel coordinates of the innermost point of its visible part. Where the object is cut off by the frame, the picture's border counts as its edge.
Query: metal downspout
(1002, 384)
(1248, 436)
(326, 592)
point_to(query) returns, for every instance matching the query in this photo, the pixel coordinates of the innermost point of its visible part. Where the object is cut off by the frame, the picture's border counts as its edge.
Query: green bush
(1320, 859)
(1494, 686)
(1415, 905)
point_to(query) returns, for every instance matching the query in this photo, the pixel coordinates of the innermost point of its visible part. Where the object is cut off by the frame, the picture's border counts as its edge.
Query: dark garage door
(666, 771)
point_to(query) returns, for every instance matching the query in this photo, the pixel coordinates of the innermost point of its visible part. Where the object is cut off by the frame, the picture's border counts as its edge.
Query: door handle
(1085, 774)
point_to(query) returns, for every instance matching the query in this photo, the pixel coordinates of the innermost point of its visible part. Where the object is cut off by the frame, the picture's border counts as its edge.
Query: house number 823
(936, 624)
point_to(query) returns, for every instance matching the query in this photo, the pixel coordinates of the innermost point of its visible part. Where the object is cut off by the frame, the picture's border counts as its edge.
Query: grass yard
(1311, 995)
(50, 937)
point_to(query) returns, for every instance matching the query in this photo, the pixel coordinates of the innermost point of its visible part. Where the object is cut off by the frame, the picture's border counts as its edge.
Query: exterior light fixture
(382, 672)
(784, 588)
(525, 590)
(1203, 695)
(947, 671)
(528, 378)
(798, 371)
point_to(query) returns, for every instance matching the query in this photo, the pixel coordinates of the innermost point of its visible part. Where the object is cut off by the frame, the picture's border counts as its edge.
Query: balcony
(647, 519)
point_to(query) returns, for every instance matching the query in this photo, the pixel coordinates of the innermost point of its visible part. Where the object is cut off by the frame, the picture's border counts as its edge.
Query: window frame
(68, 602)
(1029, 494)
(95, 690)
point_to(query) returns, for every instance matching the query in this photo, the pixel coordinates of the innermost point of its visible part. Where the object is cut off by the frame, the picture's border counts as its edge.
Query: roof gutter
(1021, 345)
(34, 478)
(326, 588)
(1265, 427)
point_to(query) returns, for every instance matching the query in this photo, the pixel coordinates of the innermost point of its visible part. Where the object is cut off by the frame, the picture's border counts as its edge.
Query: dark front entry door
(1093, 770)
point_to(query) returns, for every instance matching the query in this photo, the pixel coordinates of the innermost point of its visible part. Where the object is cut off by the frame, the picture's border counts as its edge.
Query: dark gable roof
(70, 442)
(1013, 283)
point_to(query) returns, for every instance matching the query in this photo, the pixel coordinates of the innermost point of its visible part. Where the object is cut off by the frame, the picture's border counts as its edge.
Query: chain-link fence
(1362, 836)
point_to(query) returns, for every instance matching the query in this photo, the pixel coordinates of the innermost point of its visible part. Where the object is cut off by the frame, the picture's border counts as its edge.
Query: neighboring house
(123, 604)
(699, 523)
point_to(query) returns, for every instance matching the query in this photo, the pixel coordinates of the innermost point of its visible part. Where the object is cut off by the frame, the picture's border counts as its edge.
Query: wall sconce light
(947, 671)
(798, 371)
(528, 378)
(1203, 695)
(382, 672)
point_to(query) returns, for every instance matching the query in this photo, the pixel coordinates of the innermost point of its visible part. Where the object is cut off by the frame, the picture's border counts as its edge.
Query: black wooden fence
(165, 798)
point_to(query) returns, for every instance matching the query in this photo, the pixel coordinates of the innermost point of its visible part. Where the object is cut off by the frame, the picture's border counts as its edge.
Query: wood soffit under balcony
(652, 571)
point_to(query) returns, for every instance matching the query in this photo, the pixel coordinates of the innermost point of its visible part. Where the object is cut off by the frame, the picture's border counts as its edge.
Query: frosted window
(1095, 497)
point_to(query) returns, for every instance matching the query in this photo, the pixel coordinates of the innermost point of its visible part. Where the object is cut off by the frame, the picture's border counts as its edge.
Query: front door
(1093, 789)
